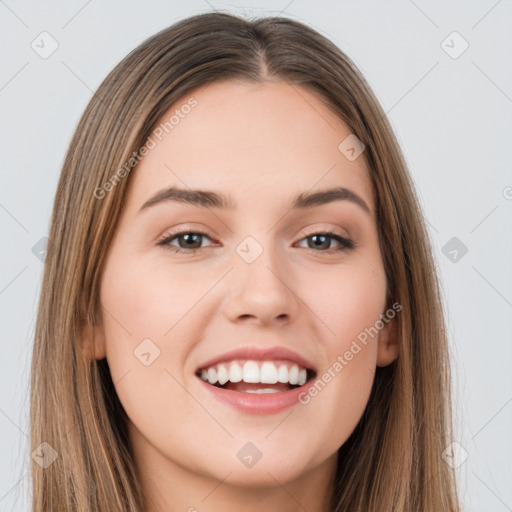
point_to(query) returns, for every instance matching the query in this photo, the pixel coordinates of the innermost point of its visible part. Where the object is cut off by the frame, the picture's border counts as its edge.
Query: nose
(261, 292)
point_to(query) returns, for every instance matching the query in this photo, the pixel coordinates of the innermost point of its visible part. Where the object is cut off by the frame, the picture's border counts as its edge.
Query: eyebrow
(211, 199)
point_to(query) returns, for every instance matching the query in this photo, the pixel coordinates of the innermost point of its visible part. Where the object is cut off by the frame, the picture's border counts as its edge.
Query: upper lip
(260, 354)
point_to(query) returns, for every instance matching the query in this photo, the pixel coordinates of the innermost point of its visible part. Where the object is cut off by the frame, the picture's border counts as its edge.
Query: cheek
(347, 300)
(143, 312)
(348, 305)
(145, 320)
(149, 300)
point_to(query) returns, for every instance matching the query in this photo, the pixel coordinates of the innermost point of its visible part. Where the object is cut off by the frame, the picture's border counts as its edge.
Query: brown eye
(189, 241)
(321, 242)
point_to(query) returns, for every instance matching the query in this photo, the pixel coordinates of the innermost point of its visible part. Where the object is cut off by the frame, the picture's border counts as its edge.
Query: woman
(240, 308)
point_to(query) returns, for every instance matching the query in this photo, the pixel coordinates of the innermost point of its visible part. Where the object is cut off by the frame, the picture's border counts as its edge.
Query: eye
(191, 241)
(322, 240)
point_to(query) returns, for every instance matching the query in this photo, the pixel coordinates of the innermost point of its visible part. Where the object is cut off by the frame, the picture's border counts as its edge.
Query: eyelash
(345, 243)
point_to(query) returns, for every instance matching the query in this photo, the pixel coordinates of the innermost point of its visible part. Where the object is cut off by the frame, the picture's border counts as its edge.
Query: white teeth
(282, 374)
(261, 391)
(294, 375)
(235, 372)
(256, 372)
(251, 372)
(222, 374)
(268, 373)
(212, 375)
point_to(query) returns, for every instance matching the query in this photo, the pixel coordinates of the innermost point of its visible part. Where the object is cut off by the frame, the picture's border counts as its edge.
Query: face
(186, 284)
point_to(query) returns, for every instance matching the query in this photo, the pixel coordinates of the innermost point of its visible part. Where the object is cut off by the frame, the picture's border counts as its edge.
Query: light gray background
(452, 116)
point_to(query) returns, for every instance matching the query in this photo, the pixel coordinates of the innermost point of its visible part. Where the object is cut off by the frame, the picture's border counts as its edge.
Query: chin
(264, 473)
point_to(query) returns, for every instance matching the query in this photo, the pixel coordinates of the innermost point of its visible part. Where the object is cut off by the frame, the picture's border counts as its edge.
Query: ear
(92, 341)
(388, 345)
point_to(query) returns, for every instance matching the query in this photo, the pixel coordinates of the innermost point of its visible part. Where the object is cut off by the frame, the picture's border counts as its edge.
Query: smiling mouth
(258, 377)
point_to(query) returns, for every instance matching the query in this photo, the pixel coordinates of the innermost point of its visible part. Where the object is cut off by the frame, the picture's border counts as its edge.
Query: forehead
(254, 141)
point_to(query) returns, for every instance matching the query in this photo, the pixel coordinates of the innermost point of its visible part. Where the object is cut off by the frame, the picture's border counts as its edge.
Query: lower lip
(253, 403)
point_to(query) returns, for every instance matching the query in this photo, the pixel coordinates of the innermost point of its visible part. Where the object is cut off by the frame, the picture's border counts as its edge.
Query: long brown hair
(393, 459)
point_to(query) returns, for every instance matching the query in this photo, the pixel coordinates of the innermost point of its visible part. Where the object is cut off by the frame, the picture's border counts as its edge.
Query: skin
(261, 144)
